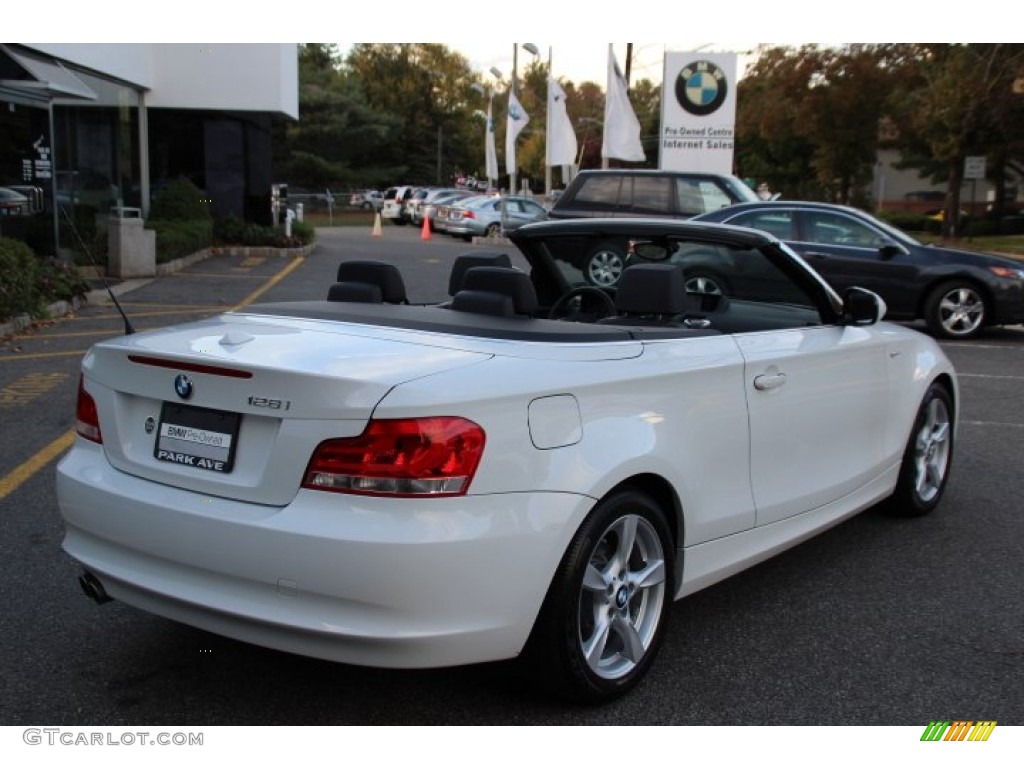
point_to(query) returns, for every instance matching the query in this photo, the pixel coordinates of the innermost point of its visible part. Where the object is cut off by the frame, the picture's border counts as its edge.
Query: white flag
(517, 120)
(621, 128)
(490, 150)
(561, 141)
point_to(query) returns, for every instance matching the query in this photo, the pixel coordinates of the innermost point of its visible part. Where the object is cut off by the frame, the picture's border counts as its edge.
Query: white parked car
(532, 469)
(393, 205)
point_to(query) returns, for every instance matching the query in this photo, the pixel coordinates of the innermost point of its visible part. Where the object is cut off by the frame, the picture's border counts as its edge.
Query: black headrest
(468, 261)
(364, 292)
(652, 289)
(507, 281)
(380, 273)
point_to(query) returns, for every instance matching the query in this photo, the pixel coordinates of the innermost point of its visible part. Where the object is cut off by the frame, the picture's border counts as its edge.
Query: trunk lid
(234, 406)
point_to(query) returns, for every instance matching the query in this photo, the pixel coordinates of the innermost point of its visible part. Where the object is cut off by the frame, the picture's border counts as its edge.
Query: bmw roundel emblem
(183, 386)
(701, 87)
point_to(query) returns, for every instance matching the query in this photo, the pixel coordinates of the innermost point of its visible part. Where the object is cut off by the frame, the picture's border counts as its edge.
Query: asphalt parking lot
(877, 622)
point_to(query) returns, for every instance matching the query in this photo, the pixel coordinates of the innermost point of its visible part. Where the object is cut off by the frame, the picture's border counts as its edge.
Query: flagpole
(607, 90)
(515, 69)
(547, 133)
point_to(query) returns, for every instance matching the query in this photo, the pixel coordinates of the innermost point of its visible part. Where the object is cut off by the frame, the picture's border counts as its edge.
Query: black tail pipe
(93, 588)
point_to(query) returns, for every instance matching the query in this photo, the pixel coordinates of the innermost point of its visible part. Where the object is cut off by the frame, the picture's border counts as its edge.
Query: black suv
(640, 193)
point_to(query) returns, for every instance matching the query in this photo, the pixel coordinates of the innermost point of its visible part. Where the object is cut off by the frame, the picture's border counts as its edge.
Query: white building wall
(261, 77)
(132, 62)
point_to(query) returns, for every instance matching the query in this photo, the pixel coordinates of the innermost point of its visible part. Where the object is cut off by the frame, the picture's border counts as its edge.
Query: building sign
(38, 166)
(698, 112)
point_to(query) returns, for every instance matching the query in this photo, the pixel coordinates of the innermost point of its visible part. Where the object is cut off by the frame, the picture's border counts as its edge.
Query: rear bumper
(378, 582)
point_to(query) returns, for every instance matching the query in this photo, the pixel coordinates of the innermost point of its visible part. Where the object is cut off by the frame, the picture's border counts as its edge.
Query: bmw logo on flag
(183, 386)
(701, 87)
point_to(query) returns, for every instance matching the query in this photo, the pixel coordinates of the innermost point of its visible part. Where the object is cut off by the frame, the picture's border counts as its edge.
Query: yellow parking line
(13, 480)
(159, 313)
(17, 357)
(270, 283)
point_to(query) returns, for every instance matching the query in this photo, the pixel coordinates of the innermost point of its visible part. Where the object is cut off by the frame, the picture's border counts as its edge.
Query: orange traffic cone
(425, 234)
(376, 225)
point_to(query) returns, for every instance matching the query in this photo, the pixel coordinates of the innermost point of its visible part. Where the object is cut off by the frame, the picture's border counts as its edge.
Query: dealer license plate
(197, 437)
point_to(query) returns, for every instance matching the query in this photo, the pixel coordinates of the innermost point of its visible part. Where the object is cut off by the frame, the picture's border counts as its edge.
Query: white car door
(817, 399)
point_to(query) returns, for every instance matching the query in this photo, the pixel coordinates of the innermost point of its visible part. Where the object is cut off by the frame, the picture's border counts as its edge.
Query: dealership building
(87, 129)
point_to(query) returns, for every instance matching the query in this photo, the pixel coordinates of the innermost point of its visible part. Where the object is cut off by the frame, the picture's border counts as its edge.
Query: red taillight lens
(87, 418)
(435, 456)
(468, 215)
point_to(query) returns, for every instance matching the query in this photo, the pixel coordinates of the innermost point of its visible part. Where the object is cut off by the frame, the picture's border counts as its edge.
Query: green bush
(234, 231)
(181, 200)
(175, 239)
(305, 233)
(19, 292)
(58, 279)
(28, 283)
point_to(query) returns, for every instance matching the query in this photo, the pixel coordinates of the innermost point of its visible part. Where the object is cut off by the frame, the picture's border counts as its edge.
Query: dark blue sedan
(957, 293)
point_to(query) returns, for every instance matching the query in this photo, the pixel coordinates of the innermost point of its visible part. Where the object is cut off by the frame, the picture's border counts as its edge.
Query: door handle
(768, 381)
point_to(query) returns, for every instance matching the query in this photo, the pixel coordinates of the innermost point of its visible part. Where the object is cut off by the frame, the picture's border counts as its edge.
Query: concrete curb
(19, 323)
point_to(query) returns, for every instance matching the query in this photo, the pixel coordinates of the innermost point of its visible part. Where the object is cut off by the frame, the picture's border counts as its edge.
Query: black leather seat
(369, 282)
(500, 291)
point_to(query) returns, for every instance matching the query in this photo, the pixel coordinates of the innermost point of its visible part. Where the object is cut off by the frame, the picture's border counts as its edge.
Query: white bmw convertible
(536, 468)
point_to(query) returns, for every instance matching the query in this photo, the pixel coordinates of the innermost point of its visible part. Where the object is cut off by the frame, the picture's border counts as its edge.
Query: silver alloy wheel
(622, 596)
(703, 284)
(931, 451)
(961, 311)
(604, 268)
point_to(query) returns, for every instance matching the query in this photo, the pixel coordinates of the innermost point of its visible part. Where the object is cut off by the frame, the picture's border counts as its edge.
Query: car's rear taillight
(87, 418)
(434, 456)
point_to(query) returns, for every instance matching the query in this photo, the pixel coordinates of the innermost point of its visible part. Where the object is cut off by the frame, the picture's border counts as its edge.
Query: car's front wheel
(927, 458)
(604, 616)
(956, 310)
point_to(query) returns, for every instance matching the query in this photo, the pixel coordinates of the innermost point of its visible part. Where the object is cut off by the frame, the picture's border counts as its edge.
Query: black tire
(367, 206)
(604, 616)
(604, 265)
(493, 230)
(957, 309)
(927, 458)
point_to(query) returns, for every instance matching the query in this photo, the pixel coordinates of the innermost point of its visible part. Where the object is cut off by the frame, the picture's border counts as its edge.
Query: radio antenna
(128, 328)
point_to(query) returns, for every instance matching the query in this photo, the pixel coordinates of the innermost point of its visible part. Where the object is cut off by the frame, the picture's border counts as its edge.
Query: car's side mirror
(862, 307)
(888, 250)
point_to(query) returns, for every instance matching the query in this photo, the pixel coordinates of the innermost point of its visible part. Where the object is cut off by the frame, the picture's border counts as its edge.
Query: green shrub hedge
(19, 292)
(175, 239)
(28, 283)
(234, 231)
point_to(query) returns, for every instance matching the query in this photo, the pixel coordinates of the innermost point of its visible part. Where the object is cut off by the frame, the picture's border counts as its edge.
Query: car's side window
(776, 223)
(652, 194)
(714, 197)
(599, 193)
(835, 229)
(689, 200)
(742, 290)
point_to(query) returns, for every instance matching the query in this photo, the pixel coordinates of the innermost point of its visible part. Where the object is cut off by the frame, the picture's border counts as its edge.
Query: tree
(962, 106)
(427, 91)
(337, 136)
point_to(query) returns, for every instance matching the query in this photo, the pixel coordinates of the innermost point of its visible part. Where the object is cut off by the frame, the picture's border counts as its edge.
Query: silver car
(483, 216)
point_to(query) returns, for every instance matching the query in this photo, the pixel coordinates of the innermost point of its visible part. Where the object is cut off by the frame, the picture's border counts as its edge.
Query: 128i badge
(701, 87)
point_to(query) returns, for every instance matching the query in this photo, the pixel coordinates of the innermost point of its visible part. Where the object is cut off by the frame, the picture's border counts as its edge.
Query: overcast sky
(481, 29)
